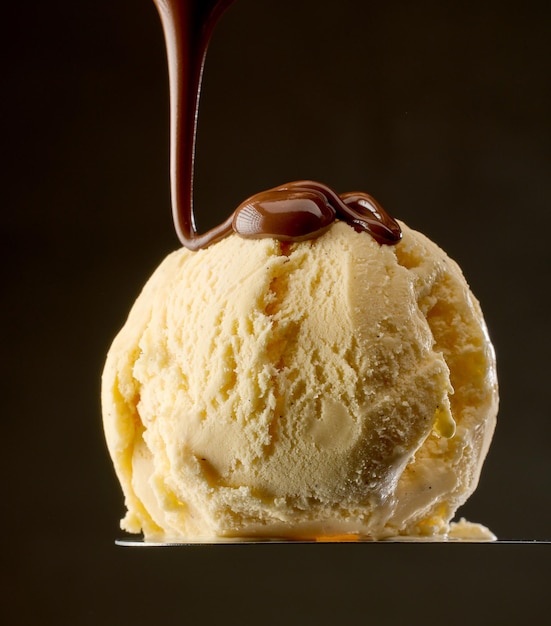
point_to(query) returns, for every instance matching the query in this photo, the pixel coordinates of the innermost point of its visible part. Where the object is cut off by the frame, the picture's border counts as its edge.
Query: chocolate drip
(364, 213)
(293, 212)
(188, 26)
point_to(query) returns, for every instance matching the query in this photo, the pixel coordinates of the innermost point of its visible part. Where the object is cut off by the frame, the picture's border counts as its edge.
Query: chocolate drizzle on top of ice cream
(305, 209)
(292, 212)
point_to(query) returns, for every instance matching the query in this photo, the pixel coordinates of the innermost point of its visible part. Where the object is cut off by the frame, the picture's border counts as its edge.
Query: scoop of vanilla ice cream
(301, 390)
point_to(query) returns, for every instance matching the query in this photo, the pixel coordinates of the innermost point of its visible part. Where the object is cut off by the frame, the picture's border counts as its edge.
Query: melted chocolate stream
(293, 212)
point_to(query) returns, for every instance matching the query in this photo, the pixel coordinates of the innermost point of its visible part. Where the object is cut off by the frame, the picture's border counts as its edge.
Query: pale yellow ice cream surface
(331, 386)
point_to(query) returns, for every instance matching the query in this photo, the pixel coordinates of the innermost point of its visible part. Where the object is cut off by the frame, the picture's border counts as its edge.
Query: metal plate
(140, 543)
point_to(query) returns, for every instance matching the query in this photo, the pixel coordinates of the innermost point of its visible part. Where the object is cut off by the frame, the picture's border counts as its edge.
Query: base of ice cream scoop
(461, 532)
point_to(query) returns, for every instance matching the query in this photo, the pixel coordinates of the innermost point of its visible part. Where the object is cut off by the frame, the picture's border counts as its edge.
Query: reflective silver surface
(140, 543)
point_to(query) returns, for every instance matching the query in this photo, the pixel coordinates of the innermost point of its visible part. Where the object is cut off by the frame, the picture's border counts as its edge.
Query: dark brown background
(439, 109)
